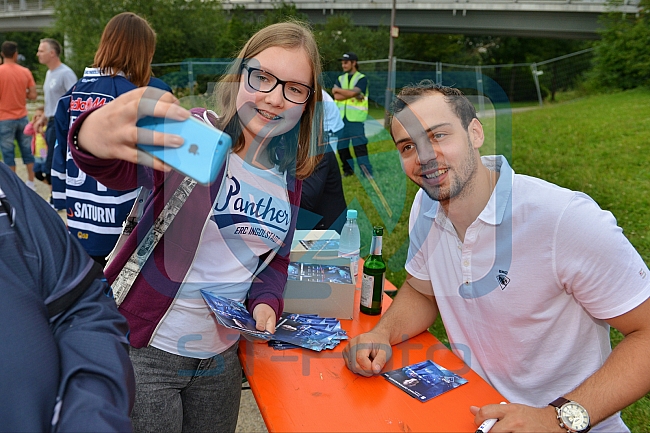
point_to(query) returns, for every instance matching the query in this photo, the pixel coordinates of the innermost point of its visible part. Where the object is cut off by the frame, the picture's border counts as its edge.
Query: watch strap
(558, 402)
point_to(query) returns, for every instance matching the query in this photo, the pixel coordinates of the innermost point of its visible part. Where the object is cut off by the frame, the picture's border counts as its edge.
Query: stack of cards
(291, 331)
(424, 380)
(300, 271)
(234, 315)
(307, 330)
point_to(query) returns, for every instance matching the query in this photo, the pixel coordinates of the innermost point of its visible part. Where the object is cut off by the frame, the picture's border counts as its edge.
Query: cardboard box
(320, 288)
(316, 287)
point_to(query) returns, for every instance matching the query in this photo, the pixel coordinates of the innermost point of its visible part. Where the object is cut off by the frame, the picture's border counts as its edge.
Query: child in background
(39, 146)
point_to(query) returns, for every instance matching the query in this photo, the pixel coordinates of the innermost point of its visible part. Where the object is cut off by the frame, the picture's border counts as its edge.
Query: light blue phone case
(202, 154)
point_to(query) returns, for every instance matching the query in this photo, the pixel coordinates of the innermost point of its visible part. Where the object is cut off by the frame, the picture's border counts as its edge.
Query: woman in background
(95, 213)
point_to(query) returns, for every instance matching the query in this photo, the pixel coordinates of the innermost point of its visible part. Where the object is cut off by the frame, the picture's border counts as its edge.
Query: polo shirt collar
(495, 210)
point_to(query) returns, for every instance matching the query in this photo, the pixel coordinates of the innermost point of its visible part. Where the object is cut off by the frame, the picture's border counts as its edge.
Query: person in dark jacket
(322, 202)
(96, 213)
(65, 363)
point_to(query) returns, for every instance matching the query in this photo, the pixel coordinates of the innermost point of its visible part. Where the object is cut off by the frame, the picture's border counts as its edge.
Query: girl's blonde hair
(127, 45)
(300, 146)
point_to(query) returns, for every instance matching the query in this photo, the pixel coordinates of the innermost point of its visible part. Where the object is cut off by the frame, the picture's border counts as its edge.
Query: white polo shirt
(524, 297)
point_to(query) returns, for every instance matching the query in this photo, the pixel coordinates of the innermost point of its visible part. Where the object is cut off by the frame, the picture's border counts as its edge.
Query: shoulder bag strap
(130, 222)
(131, 269)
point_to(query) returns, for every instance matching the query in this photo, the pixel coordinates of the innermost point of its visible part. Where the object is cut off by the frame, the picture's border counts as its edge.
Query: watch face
(574, 416)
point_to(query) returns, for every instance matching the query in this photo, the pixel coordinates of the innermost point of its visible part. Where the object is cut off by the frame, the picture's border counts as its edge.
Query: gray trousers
(181, 394)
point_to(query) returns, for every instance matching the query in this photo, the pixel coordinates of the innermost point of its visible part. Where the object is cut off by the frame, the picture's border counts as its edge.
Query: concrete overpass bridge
(25, 15)
(575, 19)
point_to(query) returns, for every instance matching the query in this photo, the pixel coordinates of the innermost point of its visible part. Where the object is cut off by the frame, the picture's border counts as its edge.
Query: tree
(429, 47)
(622, 59)
(242, 24)
(339, 35)
(184, 28)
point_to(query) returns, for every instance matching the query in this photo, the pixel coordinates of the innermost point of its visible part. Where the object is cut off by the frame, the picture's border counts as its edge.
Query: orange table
(300, 390)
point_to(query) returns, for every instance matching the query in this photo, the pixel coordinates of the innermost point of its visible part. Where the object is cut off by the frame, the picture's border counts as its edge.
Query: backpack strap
(66, 301)
(61, 304)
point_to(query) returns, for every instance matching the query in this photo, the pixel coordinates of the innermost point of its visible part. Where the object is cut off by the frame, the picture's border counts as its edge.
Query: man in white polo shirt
(527, 278)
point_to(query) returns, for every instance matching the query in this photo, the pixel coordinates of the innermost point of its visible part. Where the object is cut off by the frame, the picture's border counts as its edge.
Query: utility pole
(394, 33)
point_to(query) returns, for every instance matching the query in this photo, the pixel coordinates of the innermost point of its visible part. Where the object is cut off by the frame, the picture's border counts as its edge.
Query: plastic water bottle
(350, 242)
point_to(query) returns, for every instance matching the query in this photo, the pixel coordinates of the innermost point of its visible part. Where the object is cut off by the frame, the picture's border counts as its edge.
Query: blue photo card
(424, 380)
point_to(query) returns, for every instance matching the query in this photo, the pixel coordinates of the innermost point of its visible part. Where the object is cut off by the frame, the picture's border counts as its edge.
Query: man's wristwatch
(571, 415)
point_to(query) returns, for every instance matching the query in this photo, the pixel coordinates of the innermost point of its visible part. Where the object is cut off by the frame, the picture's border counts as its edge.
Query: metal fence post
(536, 74)
(190, 78)
(438, 72)
(479, 88)
(393, 73)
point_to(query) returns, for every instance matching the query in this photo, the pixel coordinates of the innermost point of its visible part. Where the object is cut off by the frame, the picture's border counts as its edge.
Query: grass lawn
(599, 145)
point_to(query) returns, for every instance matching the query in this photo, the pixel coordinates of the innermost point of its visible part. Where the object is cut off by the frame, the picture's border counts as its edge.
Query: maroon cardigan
(160, 279)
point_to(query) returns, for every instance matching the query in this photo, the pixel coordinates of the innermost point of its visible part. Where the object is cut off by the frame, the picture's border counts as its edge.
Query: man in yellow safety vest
(351, 95)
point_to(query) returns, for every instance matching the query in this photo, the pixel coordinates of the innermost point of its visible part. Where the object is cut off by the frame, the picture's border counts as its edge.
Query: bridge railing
(488, 4)
(18, 6)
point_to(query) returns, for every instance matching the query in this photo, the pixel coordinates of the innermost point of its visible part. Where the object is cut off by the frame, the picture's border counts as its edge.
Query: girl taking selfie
(231, 238)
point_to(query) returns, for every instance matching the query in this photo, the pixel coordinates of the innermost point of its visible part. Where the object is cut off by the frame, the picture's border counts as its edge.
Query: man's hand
(264, 318)
(366, 354)
(517, 418)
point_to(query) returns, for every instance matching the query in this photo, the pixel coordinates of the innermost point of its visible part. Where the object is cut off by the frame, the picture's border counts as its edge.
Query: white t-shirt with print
(529, 318)
(250, 217)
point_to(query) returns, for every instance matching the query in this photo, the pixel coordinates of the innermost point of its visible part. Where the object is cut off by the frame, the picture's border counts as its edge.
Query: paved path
(250, 419)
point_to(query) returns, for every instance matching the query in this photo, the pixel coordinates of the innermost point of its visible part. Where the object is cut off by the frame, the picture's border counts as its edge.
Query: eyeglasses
(265, 82)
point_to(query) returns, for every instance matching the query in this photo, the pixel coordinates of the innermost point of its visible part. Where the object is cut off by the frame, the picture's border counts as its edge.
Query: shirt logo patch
(502, 279)
(642, 273)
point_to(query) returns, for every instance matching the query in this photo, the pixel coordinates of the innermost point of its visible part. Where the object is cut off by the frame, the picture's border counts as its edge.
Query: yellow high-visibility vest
(352, 109)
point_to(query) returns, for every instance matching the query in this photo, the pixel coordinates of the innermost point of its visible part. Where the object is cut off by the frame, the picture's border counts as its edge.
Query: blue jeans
(10, 130)
(181, 394)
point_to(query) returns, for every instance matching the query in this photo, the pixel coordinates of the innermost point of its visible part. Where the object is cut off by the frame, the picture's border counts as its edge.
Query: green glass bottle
(374, 273)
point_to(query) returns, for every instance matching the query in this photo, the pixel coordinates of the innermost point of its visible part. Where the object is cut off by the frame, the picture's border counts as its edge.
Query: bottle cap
(352, 214)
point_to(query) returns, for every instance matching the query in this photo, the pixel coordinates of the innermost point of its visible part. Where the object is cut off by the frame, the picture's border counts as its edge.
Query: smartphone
(201, 156)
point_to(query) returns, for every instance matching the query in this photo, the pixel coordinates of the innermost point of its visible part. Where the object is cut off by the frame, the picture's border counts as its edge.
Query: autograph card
(233, 315)
(307, 331)
(319, 273)
(320, 244)
(424, 380)
(292, 330)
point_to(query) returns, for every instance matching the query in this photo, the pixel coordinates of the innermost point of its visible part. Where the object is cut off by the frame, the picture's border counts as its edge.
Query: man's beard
(459, 185)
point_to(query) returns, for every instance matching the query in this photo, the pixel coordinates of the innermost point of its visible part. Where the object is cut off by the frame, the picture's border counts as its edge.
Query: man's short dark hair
(54, 44)
(462, 106)
(9, 48)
